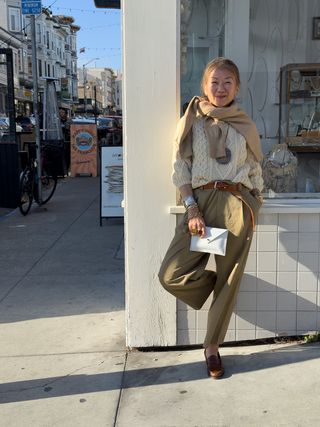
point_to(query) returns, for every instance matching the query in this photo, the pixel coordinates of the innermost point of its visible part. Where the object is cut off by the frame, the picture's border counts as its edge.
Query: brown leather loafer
(214, 365)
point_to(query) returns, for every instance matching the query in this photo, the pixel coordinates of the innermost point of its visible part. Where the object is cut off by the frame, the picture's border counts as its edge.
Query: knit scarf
(216, 131)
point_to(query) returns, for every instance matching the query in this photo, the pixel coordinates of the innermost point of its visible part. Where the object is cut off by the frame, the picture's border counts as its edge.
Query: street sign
(31, 7)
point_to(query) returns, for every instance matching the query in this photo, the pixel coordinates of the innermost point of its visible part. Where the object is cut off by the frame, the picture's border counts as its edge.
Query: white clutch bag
(214, 242)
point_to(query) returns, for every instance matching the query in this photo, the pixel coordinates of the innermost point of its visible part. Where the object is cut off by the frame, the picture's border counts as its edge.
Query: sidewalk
(63, 360)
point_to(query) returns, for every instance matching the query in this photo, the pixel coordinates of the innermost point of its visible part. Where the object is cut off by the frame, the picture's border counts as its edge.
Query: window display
(300, 107)
(283, 100)
(299, 128)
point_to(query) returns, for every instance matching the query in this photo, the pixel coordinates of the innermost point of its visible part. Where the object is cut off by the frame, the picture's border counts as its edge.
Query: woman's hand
(196, 223)
(256, 193)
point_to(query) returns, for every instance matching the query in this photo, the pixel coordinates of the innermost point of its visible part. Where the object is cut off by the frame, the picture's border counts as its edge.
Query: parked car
(118, 119)
(82, 120)
(110, 130)
(18, 127)
(5, 126)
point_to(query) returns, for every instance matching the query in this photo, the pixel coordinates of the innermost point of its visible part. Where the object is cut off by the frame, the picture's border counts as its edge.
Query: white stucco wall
(150, 97)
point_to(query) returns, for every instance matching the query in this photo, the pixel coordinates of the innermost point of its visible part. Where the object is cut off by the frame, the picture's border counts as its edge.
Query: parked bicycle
(29, 188)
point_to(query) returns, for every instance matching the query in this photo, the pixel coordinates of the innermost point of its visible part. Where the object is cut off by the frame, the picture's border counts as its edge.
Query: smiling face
(221, 87)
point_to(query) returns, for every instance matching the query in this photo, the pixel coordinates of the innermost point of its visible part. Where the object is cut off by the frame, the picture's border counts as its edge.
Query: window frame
(15, 12)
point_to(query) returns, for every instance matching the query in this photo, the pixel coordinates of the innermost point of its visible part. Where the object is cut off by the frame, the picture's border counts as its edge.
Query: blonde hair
(219, 63)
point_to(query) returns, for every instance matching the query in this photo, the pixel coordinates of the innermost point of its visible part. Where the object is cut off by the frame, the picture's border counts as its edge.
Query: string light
(99, 26)
(102, 48)
(87, 10)
(110, 56)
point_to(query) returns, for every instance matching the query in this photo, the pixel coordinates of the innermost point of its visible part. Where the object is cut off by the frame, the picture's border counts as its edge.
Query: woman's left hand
(196, 223)
(197, 226)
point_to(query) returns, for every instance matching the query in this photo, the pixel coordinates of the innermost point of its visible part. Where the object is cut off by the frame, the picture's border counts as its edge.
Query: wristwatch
(189, 201)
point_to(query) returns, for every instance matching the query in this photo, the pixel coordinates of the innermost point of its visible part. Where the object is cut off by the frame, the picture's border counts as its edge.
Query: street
(64, 362)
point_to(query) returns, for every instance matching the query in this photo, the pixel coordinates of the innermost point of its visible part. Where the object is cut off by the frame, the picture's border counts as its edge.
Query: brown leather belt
(221, 185)
(235, 189)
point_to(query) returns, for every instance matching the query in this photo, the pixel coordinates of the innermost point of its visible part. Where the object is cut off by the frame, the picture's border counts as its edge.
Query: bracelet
(189, 201)
(193, 211)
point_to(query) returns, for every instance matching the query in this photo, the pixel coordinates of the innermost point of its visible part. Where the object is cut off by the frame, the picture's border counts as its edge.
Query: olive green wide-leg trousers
(183, 273)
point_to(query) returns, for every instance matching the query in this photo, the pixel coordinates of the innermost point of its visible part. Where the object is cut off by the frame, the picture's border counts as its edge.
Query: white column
(150, 104)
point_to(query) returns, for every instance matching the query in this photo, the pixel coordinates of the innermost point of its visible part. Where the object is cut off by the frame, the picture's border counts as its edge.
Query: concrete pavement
(63, 360)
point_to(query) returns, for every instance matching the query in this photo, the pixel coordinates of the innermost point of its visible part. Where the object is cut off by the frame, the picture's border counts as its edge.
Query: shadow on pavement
(45, 388)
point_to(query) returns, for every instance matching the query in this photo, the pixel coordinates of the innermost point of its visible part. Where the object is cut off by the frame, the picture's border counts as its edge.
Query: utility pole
(35, 103)
(95, 104)
(33, 8)
(84, 73)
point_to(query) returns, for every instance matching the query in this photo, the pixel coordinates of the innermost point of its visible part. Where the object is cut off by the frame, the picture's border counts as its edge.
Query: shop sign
(23, 94)
(83, 149)
(27, 93)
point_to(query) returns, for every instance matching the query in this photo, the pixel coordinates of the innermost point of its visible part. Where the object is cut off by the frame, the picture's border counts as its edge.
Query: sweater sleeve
(181, 174)
(255, 172)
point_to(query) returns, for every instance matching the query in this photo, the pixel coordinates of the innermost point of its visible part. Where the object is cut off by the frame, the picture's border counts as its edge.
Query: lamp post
(84, 73)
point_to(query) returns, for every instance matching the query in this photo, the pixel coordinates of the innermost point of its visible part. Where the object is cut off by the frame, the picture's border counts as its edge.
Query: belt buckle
(220, 185)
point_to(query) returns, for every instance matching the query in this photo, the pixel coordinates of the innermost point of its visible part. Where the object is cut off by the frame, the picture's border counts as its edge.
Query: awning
(108, 4)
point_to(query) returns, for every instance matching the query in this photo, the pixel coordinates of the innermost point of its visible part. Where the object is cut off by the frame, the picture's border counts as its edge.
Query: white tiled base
(280, 292)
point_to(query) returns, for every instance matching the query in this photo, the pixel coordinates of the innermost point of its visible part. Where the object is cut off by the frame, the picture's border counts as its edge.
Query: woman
(217, 171)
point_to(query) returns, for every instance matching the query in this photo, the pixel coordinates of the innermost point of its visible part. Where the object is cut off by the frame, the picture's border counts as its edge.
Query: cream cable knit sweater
(243, 167)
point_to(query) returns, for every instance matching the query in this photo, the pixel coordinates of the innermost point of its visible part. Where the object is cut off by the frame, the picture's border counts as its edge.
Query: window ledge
(275, 206)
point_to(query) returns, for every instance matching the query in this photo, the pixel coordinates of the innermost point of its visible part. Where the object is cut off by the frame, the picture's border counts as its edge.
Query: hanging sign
(31, 7)
(83, 146)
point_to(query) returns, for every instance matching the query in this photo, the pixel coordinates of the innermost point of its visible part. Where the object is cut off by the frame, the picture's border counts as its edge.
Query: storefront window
(281, 80)
(202, 38)
(284, 93)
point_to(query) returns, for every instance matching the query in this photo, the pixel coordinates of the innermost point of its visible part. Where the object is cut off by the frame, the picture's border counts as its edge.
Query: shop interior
(281, 87)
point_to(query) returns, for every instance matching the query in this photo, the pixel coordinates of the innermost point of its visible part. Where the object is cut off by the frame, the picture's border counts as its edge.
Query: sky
(100, 32)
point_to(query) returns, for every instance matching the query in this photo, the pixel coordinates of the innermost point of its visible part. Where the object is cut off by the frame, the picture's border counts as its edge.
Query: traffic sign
(31, 7)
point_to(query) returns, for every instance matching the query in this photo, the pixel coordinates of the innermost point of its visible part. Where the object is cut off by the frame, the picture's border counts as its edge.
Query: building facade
(56, 55)
(90, 92)
(107, 78)
(56, 38)
(276, 46)
(118, 92)
(12, 37)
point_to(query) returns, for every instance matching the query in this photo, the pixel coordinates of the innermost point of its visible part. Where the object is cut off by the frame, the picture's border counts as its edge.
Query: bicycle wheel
(25, 191)
(48, 186)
